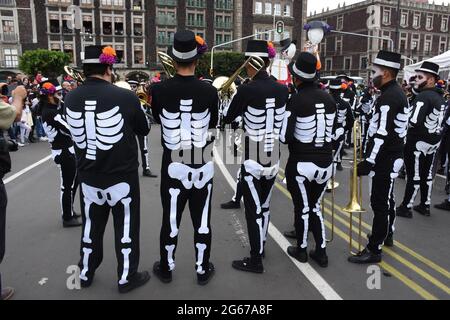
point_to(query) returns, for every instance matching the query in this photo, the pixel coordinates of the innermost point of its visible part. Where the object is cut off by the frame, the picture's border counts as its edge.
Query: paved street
(39, 250)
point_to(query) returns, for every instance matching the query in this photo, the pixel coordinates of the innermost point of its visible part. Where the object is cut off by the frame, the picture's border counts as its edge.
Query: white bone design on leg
(305, 215)
(126, 220)
(173, 211)
(416, 166)
(261, 235)
(266, 204)
(126, 265)
(204, 225)
(86, 253)
(266, 215)
(318, 211)
(87, 226)
(191, 177)
(254, 193)
(170, 260)
(201, 247)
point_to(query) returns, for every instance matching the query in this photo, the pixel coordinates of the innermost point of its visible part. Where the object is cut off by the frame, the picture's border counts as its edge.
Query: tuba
(167, 63)
(75, 74)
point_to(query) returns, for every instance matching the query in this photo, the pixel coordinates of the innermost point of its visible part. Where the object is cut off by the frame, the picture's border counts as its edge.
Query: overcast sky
(318, 5)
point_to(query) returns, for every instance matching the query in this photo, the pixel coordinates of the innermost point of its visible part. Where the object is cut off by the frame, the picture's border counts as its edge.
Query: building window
(118, 26)
(138, 55)
(120, 53)
(444, 24)
(416, 20)
(338, 47)
(87, 24)
(11, 58)
(363, 63)
(340, 23)
(404, 19)
(442, 44)
(277, 9)
(86, 2)
(387, 16)
(8, 30)
(137, 5)
(54, 23)
(427, 47)
(414, 44)
(219, 39)
(347, 64)
(137, 26)
(403, 41)
(429, 25)
(68, 49)
(107, 25)
(328, 64)
(287, 10)
(268, 8)
(258, 7)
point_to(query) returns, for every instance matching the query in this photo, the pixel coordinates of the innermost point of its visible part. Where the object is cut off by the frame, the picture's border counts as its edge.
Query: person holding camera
(8, 115)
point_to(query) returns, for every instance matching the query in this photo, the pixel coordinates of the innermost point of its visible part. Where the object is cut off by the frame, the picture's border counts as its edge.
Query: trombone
(355, 203)
(331, 186)
(75, 74)
(167, 63)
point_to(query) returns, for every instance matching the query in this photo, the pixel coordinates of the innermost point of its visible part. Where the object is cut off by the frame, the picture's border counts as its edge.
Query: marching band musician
(262, 103)
(423, 140)
(384, 153)
(104, 121)
(186, 108)
(308, 131)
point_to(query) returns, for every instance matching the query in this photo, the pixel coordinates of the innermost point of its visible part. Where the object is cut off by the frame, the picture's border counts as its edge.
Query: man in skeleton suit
(383, 153)
(262, 103)
(104, 121)
(308, 130)
(142, 140)
(423, 140)
(186, 108)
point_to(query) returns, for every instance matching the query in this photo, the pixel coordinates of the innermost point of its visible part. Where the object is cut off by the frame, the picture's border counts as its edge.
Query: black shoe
(203, 279)
(364, 257)
(148, 173)
(299, 254)
(339, 167)
(290, 234)
(86, 283)
(403, 212)
(423, 210)
(389, 241)
(139, 279)
(320, 258)
(74, 222)
(249, 265)
(164, 276)
(231, 205)
(76, 215)
(443, 206)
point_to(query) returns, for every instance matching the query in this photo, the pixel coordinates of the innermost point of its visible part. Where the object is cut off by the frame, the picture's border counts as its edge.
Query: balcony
(164, 41)
(223, 5)
(7, 3)
(223, 25)
(196, 23)
(171, 3)
(166, 20)
(9, 37)
(196, 3)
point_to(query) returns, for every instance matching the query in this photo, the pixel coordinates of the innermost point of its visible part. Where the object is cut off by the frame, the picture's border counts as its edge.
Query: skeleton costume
(308, 130)
(186, 108)
(58, 133)
(262, 102)
(384, 155)
(104, 121)
(422, 143)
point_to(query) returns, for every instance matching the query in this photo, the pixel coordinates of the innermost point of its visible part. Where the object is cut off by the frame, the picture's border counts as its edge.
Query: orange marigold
(109, 51)
(270, 44)
(47, 85)
(199, 40)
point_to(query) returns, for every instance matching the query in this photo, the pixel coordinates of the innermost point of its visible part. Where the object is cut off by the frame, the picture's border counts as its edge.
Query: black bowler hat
(96, 55)
(184, 47)
(305, 67)
(257, 48)
(429, 67)
(335, 84)
(343, 75)
(285, 43)
(388, 59)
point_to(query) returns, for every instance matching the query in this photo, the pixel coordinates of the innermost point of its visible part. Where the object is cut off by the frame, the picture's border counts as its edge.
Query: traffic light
(280, 27)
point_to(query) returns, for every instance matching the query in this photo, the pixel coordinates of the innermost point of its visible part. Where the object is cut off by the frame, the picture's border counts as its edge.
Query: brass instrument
(75, 74)
(142, 95)
(355, 203)
(167, 63)
(331, 186)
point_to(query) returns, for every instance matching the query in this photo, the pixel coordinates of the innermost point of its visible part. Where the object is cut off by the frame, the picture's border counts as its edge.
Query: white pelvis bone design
(101, 130)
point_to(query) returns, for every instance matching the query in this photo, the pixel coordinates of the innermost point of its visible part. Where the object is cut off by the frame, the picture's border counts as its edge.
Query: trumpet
(75, 74)
(142, 95)
(167, 63)
(355, 203)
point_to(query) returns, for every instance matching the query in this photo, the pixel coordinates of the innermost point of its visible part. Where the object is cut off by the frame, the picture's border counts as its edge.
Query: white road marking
(23, 171)
(312, 275)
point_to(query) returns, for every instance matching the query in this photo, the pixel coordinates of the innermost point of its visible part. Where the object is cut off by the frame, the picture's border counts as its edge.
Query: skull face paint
(420, 81)
(377, 75)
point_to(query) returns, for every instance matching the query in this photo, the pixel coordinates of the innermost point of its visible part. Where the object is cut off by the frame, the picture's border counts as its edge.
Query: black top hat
(92, 55)
(335, 84)
(257, 48)
(343, 75)
(388, 59)
(285, 43)
(184, 47)
(429, 67)
(305, 67)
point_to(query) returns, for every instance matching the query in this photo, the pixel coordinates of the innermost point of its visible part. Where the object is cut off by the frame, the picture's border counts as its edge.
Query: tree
(50, 63)
(225, 63)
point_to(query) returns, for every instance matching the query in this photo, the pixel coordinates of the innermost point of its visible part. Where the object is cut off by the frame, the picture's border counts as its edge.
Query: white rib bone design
(101, 130)
(185, 129)
(433, 121)
(317, 128)
(401, 122)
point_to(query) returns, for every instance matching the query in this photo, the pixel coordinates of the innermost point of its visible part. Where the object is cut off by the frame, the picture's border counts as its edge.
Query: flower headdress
(47, 88)
(108, 56)
(202, 47)
(271, 50)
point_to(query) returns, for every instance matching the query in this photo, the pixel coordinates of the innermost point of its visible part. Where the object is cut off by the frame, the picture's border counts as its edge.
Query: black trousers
(67, 165)
(382, 201)
(101, 194)
(419, 159)
(307, 181)
(238, 193)
(3, 203)
(257, 191)
(143, 146)
(180, 185)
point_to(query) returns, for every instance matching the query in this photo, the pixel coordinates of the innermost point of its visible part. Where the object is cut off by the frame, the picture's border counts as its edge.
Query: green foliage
(50, 63)
(225, 63)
